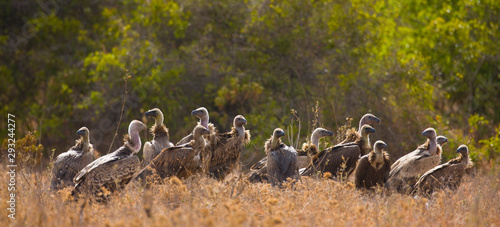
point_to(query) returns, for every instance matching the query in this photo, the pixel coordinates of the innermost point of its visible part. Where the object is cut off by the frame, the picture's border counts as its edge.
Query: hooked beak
(377, 120)
(370, 130)
(80, 132)
(425, 133)
(150, 113)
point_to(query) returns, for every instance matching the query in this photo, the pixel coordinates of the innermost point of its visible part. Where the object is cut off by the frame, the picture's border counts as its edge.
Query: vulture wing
(260, 164)
(64, 169)
(113, 174)
(185, 140)
(176, 161)
(331, 159)
(360, 172)
(284, 157)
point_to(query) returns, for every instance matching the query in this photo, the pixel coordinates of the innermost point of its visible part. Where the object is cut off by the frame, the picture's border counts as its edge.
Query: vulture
(441, 140)
(406, 171)
(341, 158)
(181, 161)
(309, 150)
(202, 114)
(111, 172)
(373, 168)
(352, 135)
(160, 137)
(447, 175)
(69, 163)
(259, 170)
(281, 160)
(222, 153)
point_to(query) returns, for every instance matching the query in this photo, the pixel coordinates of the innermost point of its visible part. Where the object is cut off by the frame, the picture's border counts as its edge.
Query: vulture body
(341, 158)
(222, 153)
(352, 135)
(202, 114)
(161, 139)
(281, 160)
(69, 163)
(259, 170)
(447, 175)
(181, 161)
(406, 171)
(373, 169)
(111, 172)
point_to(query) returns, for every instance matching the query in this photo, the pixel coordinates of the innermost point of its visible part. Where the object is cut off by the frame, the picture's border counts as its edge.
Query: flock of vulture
(206, 151)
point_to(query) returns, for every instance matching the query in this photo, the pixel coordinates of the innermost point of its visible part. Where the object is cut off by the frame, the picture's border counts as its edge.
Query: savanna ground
(200, 201)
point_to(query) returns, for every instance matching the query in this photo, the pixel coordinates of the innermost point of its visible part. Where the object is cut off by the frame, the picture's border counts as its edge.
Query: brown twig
(127, 76)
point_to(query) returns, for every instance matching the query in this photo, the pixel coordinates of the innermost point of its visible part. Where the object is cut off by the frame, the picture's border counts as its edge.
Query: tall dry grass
(200, 201)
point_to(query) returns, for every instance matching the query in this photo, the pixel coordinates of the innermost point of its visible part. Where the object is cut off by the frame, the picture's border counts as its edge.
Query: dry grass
(199, 201)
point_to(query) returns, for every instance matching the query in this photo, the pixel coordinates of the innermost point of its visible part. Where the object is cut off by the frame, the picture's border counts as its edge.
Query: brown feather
(369, 174)
(337, 159)
(69, 163)
(406, 171)
(282, 164)
(447, 175)
(352, 135)
(222, 153)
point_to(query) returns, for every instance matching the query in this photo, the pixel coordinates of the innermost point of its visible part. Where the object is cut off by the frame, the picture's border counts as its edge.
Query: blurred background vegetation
(413, 63)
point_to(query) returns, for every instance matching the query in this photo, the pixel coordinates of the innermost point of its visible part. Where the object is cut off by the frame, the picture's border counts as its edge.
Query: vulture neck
(199, 142)
(204, 122)
(315, 139)
(135, 140)
(366, 138)
(465, 159)
(241, 131)
(159, 119)
(378, 157)
(85, 143)
(275, 143)
(378, 154)
(432, 146)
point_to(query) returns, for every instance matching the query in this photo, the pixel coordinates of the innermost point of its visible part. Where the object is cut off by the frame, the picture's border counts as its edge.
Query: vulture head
(199, 131)
(278, 133)
(369, 119)
(156, 114)
(319, 133)
(83, 132)
(202, 114)
(429, 133)
(276, 138)
(463, 150)
(239, 121)
(367, 130)
(133, 130)
(441, 140)
(379, 146)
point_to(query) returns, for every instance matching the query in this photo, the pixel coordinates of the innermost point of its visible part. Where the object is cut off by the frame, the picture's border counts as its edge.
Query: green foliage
(415, 64)
(491, 147)
(28, 150)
